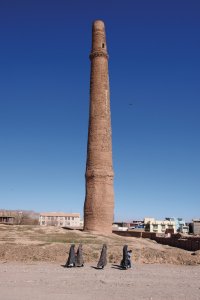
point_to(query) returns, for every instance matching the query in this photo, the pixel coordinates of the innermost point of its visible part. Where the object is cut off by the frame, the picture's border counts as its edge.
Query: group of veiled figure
(75, 259)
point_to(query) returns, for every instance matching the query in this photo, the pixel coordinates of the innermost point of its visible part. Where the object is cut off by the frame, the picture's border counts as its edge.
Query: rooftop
(59, 214)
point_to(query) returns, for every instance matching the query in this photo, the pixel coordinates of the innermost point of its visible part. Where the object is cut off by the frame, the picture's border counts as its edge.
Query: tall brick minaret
(99, 199)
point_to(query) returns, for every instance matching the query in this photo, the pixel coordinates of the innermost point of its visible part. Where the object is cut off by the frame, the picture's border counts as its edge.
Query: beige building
(6, 218)
(60, 219)
(196, 226)
(159, 226)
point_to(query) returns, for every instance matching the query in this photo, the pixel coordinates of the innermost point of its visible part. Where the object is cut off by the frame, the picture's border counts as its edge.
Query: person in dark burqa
(71, 259)
(103, 257)
(126, 260)
(79, 257)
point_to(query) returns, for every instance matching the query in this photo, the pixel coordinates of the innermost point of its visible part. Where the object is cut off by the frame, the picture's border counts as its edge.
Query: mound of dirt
(51, 244)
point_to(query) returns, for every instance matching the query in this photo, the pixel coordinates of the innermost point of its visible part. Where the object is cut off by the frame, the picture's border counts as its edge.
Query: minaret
(99, 199)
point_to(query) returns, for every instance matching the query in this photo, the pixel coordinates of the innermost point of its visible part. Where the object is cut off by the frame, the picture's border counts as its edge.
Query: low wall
(137, 234)
(189, 243)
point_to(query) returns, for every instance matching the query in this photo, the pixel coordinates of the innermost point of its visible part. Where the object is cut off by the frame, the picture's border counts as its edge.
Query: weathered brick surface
(190, 243)
(99, 199)
(136, 234)
(187, 243)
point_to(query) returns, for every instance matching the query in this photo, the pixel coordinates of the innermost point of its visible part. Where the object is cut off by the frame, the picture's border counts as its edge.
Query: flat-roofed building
(7, 219)
(159, 226)
(60, 219)
(196, 226)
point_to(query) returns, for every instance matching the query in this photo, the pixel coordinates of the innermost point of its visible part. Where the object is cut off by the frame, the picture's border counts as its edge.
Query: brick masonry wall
(189, 243)
(129, 233)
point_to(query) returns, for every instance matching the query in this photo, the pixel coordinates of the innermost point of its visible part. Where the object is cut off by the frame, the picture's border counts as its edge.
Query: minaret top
(99, 47)
(98, 25)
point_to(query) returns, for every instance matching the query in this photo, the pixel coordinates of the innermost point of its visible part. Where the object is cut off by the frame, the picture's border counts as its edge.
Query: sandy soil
(51, 281)
(51, 244)
(31, 259)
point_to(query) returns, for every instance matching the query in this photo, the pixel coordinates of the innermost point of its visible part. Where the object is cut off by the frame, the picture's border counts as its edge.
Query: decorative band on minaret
(99, 198)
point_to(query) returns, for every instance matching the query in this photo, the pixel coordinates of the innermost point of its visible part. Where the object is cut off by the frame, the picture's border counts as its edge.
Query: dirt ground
(50, 244)
(50, 281)
(31, 260)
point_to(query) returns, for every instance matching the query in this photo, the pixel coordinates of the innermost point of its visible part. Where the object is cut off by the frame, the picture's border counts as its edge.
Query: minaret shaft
(99, 199)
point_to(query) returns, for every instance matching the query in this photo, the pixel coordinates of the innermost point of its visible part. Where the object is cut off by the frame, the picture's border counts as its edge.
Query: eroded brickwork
(99, 199)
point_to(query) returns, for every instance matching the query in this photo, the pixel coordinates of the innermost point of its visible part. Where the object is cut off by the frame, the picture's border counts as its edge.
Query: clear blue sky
(154, 49)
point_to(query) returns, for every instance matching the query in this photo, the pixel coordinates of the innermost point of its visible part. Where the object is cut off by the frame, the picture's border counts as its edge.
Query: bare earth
(51, 281)
(31, 260)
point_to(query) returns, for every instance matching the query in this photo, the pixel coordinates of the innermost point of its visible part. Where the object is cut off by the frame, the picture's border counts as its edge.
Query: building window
(72, 218)
(103, 45)
(163, 227)
(155, 228)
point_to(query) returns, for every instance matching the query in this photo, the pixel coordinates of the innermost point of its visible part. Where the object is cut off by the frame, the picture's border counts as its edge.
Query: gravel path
(51, 281)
